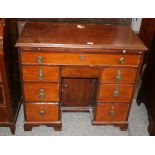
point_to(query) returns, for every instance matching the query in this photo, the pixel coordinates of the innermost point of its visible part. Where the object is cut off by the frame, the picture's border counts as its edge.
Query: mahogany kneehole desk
(87, 68)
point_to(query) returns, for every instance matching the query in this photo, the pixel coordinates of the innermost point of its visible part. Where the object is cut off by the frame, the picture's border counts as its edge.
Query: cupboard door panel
(77, 92)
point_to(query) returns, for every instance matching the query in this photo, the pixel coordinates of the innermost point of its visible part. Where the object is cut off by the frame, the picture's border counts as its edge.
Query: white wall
(136, 24)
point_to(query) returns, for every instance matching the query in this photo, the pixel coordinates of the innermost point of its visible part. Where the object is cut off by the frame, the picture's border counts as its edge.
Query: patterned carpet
(79, 124)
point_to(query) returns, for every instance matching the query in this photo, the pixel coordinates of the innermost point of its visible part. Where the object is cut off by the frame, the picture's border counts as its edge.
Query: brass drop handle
(82, 57)
(40, 74)
(121, 61)
(112, 112)
(39, 59)
(118, 76)
(42, 112)
(116, 92)
(41, 93)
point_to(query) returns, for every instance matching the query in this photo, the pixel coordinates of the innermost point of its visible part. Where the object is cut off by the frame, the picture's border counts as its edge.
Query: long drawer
(41, 92)
(120, 75)
(40, 73)
(42, 112)
(115, 92)
(80, 59)
(111, 112)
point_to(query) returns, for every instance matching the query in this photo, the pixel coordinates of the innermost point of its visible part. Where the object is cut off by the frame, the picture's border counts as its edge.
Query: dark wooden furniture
(146, 92)
(71, 67)
(10, 90)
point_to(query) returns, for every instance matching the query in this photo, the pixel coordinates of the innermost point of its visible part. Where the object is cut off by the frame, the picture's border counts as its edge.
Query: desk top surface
(65, 35)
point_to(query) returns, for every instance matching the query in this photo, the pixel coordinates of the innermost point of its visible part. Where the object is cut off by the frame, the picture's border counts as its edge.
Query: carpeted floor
(79, 124)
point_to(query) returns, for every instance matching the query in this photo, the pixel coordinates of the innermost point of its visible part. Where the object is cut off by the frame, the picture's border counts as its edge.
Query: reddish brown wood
(4, 114)
(111, 112)
(1, 95)
(77, 92)
(33, 112)
(10, 91)
(88, 59)
(127, 75)
(48, 74)
(32, 92)
(0, 76)
(147, 34)
(82, 72)
(61, 35)
(56, 125)
(106, 93)
(79, 59)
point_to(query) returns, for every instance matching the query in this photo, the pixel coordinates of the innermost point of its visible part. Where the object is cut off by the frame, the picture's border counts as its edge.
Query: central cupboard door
(77, 92)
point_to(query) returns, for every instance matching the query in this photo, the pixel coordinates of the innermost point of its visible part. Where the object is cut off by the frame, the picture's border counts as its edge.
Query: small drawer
(42, 112)
(41, 92)
(80, 59)
(81, 72)
(1, 95)
(40, 73)
(111, 112)
(4, 114)
(115, 92)
(119, 75)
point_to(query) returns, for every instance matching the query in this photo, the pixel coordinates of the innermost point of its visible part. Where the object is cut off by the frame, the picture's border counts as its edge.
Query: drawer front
(1, 95)
(4, 114)
(111, 112)
(40, 73)
(115, 92)
(119, 75)
(41, 92)
(42, 112)
(81, 72)
(79, 59)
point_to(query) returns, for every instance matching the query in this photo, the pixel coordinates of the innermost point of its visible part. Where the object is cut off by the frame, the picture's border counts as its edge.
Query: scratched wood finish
(32, 92)
(37, 34)
(106, 92)
(119, 75)
(48, 74)
(80, 59)
(51, 112)
(111, 112)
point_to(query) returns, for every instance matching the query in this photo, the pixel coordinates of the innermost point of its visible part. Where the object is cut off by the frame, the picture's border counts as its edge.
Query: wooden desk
(69, 67)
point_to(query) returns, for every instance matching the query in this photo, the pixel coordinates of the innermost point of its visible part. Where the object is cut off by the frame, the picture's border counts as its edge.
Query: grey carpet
(79, 124)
